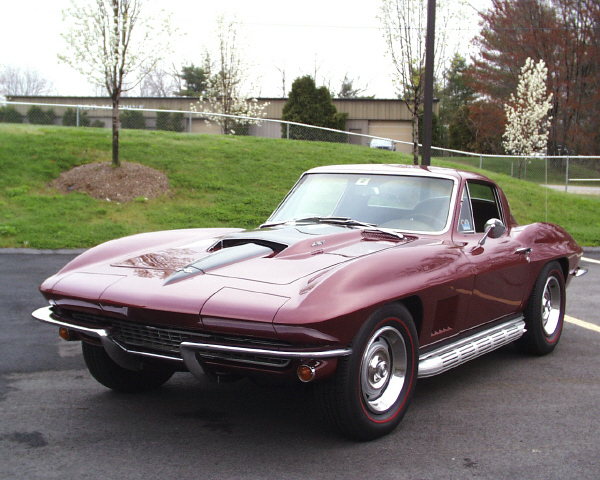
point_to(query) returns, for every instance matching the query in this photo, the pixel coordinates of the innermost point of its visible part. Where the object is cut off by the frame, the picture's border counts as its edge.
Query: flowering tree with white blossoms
(226, 95)
(527, 114)
(110, 41)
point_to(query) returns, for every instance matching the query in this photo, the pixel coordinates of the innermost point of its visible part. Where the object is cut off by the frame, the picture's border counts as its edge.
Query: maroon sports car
(363, 279)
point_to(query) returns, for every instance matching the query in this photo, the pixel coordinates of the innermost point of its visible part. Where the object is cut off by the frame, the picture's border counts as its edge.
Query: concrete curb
(33, 251)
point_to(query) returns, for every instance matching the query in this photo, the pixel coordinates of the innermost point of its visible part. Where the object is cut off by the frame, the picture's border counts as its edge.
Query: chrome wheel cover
(383, 369)
(551, 306)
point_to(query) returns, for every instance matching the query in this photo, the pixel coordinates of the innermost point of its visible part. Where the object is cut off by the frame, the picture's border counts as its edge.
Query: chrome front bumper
(190, 350)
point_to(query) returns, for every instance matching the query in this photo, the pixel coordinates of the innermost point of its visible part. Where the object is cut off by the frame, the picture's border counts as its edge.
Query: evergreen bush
(37, 116)
(10, 115)
(69, 118)
(312, 106)
(132, 119)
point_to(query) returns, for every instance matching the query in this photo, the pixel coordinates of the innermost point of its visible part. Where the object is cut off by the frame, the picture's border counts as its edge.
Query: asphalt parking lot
(502, 416)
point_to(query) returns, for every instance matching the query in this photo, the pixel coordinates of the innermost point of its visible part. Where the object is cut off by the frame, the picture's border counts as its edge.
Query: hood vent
(229, 242)
(382, 235)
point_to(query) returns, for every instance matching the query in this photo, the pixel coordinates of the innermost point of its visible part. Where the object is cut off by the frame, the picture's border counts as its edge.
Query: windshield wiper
(344, 221)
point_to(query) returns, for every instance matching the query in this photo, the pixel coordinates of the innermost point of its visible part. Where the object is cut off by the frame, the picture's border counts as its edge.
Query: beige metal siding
(401, 131)
(382, 118)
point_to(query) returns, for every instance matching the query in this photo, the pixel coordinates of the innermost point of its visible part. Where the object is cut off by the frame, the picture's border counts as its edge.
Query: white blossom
(109, 41)
(228, 95)
(527, 114)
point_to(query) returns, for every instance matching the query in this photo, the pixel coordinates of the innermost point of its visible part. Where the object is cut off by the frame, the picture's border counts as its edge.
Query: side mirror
(494, 228)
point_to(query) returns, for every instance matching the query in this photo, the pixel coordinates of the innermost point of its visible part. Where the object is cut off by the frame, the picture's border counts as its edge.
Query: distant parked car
(383, 144)
(363, 279)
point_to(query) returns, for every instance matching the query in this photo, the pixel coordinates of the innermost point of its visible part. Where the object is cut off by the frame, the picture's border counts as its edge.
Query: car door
(500, 265)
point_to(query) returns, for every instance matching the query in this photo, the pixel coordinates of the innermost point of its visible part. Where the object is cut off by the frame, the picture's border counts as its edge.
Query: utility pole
(428, 101)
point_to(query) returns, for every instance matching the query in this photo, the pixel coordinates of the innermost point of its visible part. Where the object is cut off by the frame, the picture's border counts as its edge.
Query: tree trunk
(115, 131)
(415, 123)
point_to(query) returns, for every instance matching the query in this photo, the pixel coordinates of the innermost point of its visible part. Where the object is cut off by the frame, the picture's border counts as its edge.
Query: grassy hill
(215, 181)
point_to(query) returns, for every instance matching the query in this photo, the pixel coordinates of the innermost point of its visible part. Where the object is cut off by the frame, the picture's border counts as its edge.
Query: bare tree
(114, 45)
(160, 82)
(282, 71)
(14, 81)
(349, 90)
(404, 24)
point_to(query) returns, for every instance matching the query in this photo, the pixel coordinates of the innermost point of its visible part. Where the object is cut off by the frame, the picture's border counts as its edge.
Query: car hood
(278, 255)
(247, 275)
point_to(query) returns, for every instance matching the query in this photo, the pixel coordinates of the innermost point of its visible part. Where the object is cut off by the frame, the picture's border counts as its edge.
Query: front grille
(136, 336)
(129, 334)
(152, 338)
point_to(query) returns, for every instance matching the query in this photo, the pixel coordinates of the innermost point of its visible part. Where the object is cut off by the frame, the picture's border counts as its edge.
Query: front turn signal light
(67, 334)
(306, 373)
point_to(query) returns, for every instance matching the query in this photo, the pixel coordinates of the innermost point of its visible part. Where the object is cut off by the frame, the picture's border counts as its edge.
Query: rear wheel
(545, 312)
(113, 376)
(371, 389)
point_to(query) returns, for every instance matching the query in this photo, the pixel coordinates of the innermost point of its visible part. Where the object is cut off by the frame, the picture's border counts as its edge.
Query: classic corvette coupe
(365, 278)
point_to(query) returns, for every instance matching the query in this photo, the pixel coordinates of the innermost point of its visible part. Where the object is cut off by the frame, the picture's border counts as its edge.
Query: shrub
(177, 122)
(132, 119)
(84, 120)
(10, 115)
(163, 121)
(98, 124)
(69, 118)
(37, 116)
(171, 122)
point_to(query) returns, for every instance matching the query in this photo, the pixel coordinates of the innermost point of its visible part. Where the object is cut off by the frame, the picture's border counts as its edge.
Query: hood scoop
(240, 240)
(220, 256)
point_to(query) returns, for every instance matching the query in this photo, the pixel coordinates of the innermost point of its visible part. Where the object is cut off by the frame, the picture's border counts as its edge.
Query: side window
(484, 204)
(465, 224)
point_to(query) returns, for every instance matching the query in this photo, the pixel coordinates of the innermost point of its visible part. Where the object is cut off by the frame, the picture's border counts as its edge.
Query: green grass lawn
(216, 181)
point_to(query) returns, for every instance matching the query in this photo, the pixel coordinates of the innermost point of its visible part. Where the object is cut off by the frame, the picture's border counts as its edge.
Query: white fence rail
(556, 171)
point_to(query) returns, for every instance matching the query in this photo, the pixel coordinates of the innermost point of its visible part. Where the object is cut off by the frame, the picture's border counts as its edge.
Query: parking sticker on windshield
(363, 181)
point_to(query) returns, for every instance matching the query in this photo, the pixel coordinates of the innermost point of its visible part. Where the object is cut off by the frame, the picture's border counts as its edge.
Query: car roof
(399, 169)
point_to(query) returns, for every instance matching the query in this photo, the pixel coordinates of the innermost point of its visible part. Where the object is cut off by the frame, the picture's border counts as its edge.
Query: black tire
(371, 389)
(545, 312)
(115, 377)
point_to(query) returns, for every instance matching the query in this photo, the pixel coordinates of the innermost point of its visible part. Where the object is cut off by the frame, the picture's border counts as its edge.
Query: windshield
(407, 203)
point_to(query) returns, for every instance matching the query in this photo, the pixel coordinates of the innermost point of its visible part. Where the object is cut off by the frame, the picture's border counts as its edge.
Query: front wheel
(545, 312)
(371, 389)
(113, 376)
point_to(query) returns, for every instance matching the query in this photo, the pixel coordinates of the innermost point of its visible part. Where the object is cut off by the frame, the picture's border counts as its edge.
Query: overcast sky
(333, 37)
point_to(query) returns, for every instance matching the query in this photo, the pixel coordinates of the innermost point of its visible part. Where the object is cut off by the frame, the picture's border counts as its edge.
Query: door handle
(524, 251)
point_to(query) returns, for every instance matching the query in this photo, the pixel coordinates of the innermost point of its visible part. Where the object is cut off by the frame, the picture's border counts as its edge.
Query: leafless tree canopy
(160, 82)
(15, 81)
(404, 25)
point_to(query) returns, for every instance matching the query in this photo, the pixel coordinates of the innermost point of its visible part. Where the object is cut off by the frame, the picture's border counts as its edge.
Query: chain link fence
(575, 174)
(568, 173)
